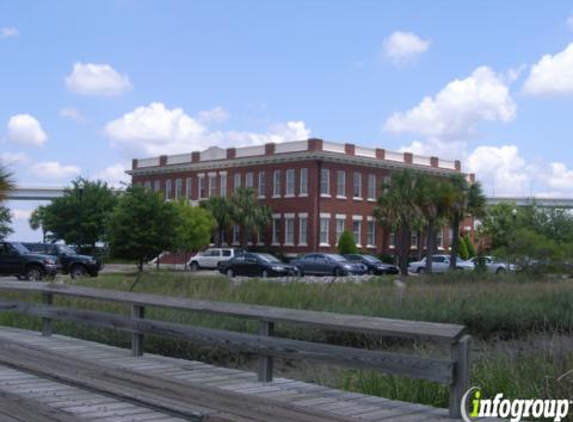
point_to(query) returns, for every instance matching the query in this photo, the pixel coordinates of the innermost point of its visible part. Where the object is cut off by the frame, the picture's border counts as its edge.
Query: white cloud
(570, 21)
(455, 112)
(97, 80)
(114, 175)
(11, 158)
(54, 170)
(552, 75)
(216, 115)
(434, 147)
(401, 47)
(9, 32)
(72, 114)
(26, 129)
(154, 129)
(21, 215)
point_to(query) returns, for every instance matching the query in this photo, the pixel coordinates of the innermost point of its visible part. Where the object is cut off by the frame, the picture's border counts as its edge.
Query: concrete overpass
(522, 201)
(36, 193)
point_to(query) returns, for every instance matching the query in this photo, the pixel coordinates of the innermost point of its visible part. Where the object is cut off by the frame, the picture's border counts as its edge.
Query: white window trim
(371, 199)
(305, 216)
(357, 218)
(302, 215)
(303, 195)
(340, 197)
(328, 216)
(358, 198)
(290, 195)
(325, 195)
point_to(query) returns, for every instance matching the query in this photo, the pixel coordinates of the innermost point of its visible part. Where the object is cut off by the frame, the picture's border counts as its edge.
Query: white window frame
(303, 188)
(223, 184)
(156, 185)
(303, 240)
(370, 232)
(325, 183)
(324, 217)
(290, 183)
(168, 189)
(147, 184)
(359, 184)
(341, 184)
(440, 239)
(236, 235)
(277, 184)
(249, 180)
(212, 184)
(188, 188)
(262, 184)
(289, 226)
(275, 235)
(201, 188)
(371, 190)
(236, 178)
(392, 240)
(414, 240)
(340, 218)
(178, 183)
(357, 219)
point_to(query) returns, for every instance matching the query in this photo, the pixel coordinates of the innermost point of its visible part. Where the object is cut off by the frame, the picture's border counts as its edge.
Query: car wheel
(230, 273)
(265, 274)
(500, 270)
(421, 270)
(299, 272)
(78, 271)
(34, 273)
(338, 272)
(194, 266)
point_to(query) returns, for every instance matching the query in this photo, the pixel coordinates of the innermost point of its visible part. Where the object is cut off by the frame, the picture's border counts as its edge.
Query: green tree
(193, 227)
(248, 213)
(79, 216)
(222, 211)
(36, 221)
(5, 221)
(142, 225)
(397, 208)
(6, 183)
(463, 249)
(498, 224)
(346, 243)
(469, 246)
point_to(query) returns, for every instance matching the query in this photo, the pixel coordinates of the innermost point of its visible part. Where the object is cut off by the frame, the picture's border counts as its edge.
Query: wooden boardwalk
(58, 378)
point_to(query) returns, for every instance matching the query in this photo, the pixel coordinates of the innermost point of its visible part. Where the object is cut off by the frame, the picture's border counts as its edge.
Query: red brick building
(315, 188)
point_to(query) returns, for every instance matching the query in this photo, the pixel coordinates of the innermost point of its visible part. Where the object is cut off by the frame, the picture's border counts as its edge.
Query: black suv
(72, 263)
(17, 260)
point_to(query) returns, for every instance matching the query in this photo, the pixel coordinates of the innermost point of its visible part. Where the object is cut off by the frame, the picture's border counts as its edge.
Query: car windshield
(268, 257)
(20, 248)
(65, 249)
(371, 259)
(336, 257)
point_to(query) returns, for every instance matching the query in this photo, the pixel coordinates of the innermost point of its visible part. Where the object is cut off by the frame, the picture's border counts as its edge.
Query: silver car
(440, 264)
(494, 266)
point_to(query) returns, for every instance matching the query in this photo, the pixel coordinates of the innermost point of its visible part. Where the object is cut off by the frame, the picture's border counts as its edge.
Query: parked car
(374, 265)
(440, 264)
(211, 257)
(256, 265)
(71, 262)
(494, 266)
(328, 264)
(16, 260)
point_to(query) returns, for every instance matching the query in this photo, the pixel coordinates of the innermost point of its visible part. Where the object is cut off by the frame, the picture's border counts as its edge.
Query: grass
(522, 327)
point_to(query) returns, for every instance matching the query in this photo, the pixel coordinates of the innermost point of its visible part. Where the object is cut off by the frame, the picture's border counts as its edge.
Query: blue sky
(87, 85)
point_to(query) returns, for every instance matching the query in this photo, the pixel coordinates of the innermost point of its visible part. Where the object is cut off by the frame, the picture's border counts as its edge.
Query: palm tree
(6, 183)
(221, 210)
(462, 198)
(248, 213)
(430, 202)
(37, 220)
(397, 208)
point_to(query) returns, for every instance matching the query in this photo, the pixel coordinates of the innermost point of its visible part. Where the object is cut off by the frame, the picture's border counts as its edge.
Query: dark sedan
(328, 264)
(256, 265)
(375, 266)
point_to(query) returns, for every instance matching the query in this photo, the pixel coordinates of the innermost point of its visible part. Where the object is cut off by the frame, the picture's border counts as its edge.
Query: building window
(202, 188)
(414, 240)
(262, 184)
(147, 184)
(277, 184)
(303, 190)
(156, 186)
(357, 186)
(340, 226)
(357, 231)
(223, 184)
(168, 189)
(276, 231)
(387, 181)
(289, 182)
(324, 222)
(249, 180)
(236, 234)
(212, 185)
(325, 182)
(341, 184)
(188, 188)
(178, 183)
(371, 233)
(392, 240)
(371, 186)
(289, 231)
(237, 181)
(440, 239)
(302, 231)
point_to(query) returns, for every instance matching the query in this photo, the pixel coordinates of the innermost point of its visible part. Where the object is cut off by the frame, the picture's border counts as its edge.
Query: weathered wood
(438, 332)
(391, 363)
(16, 408)
(137, 312)
(265, 372)
(461, 380)
(47, 298)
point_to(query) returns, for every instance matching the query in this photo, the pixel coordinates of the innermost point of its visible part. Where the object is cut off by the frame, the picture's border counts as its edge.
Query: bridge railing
(452, 371)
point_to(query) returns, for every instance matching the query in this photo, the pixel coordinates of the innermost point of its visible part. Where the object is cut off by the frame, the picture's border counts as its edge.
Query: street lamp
(80, 212)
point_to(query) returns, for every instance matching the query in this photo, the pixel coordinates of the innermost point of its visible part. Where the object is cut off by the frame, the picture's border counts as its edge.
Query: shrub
(463, 249)
(470, 246)
(346, 243)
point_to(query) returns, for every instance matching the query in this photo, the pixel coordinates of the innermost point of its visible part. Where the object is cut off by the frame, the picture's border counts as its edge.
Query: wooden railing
(453, 371)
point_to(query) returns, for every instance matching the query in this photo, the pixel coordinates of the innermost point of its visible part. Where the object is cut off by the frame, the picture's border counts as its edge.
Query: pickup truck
(71, 262)
(16, 260)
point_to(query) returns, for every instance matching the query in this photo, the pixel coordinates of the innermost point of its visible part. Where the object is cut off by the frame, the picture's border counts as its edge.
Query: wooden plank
(27, 410)
(461, 381)
(354, 323)
(392, 363)
(265, 372)
(137, 312)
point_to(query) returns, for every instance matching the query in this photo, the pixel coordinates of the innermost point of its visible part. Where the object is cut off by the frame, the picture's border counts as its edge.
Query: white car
(211, 257)
(440, 264)
(494, 266)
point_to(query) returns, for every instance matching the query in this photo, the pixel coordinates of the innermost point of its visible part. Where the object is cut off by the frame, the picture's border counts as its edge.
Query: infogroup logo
(516, 410)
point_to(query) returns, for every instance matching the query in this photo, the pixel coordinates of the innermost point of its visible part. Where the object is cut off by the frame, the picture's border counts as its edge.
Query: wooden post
(266, 328)
(461, 380)
(47, 299)
(138, 312)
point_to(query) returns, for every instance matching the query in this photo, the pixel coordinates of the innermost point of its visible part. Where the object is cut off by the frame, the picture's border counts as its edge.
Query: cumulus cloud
(570, 21)
(402, 47)
(155, 129)
(114, 175)
(21, 215)
(26, 129)
(216, 115)
(97, 80)
(54, 170)
(72, 113)
(552, 75)
(455, 112)
(12, 158)
(9, 32)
